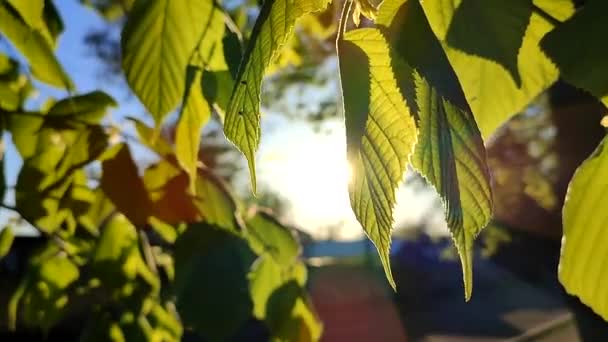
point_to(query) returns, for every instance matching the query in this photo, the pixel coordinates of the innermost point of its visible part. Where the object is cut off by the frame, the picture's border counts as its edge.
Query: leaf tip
(465, 251)
(386, 264)
(252, 176)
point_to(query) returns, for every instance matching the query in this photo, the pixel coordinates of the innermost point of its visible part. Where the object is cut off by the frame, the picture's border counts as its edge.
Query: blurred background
(303, 176)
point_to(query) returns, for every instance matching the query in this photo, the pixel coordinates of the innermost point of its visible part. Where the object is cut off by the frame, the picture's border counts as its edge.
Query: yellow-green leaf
(34, 47)
(195, 113)
(86, 108)
(491, 91)
(582, 268)
(451, 156)
(380, 133)
(581, 58)
(151, 138)
(158, 41)
(450, 153)
(272, 30)
(6, 241)
(30, 11)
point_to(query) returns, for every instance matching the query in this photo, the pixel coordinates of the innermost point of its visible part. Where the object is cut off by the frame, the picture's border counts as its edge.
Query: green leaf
(6, 241)
(491, 29)
(117, 260)
(582, 269)
(266, 235)
(211, 281)
(380, 133)
(217, 86)
(490, 89)
(30, 11)
(35, 48)
(272, 30)
(51, 190)
(53, 24)
(194, 115)
(87, 108)
(266, 277)
(151, 138)
(158, 42)
(121, 183)
(214, 201)
(43, 292)
(450, 153)
(13, 84)
(290, 315)
(117, 240)
(25, 131)
(567, 47)
(451, 156)
(278, 262)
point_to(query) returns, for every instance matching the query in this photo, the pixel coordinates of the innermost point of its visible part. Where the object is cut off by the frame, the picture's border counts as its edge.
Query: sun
(312, 173)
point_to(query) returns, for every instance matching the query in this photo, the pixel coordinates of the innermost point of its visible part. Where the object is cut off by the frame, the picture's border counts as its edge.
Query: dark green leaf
(211, 281)
(576, 48)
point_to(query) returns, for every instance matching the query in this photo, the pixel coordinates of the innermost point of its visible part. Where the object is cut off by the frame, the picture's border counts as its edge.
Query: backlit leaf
(194, 115)
(30, 11)
(491, 29)
(157, 43)
(451, 156)
(450, 153)
(579, 57)
(35, 48)
(51, 191)
(272, 30)
(151, 138)
(490, 89)
(582, 269)
(380, 133)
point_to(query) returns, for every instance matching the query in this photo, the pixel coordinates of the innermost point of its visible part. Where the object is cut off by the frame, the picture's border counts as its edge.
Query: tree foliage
(169, 249)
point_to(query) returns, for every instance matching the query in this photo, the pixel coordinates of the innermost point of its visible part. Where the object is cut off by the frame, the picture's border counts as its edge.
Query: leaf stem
(344, 19)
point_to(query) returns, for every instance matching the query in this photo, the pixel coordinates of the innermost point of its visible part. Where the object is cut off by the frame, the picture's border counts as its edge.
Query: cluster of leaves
(424, 84)
(147, 255)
